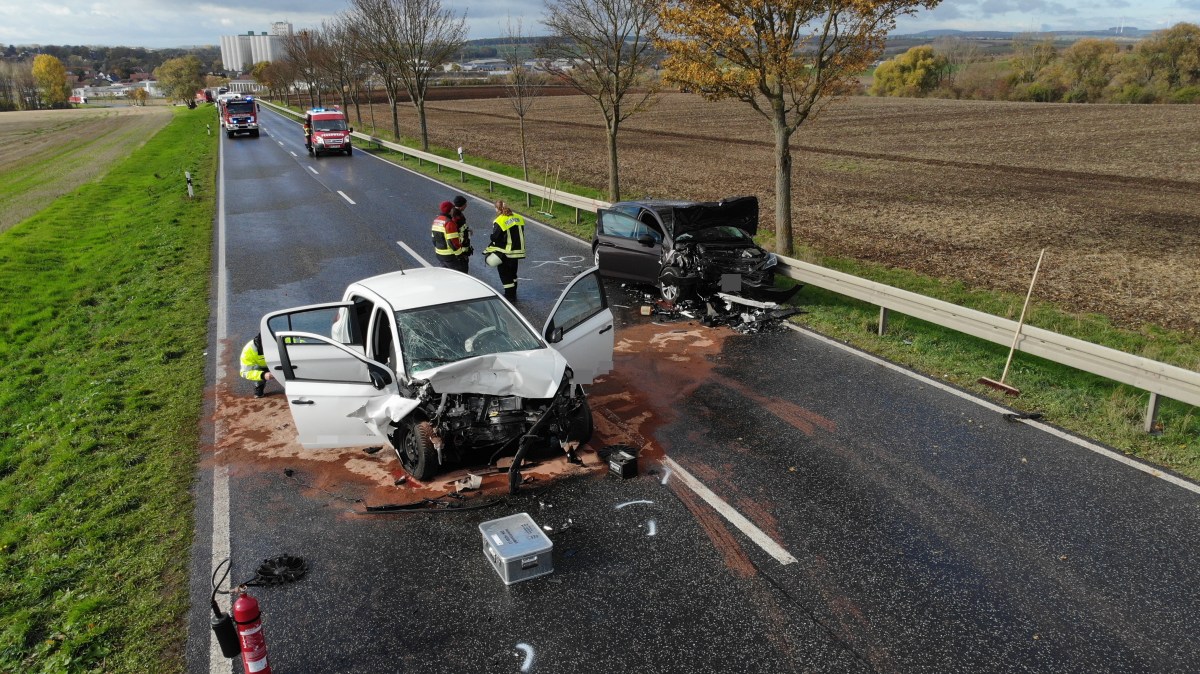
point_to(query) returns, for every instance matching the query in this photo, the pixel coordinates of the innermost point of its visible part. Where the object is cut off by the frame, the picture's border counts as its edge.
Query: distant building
(240, 52)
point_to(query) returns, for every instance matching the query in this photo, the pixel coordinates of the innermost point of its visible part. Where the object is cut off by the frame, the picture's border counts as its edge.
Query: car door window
(382, 343)
(582, 301)
(621, 225)
(648, 226)
(331, 321)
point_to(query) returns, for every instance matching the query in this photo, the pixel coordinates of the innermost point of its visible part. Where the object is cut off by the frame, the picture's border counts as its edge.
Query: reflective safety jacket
(508, 236)
(447, 240)
(254, 365)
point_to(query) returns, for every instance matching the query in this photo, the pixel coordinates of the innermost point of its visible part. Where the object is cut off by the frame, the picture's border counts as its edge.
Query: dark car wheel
(596, 254)
(416, 452)
(583, 426)
(349, 151)
(671, 285)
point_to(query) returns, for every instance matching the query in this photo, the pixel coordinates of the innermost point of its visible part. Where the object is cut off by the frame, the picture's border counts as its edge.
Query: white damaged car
(440, 366)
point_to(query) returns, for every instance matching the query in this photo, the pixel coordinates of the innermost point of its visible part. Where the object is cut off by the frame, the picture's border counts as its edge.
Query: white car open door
(581, 327)
(352, 400)
(331, 320)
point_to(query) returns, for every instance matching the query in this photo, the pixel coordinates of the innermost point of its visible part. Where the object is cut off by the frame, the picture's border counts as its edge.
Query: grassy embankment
(105, 294)
(1082, 403)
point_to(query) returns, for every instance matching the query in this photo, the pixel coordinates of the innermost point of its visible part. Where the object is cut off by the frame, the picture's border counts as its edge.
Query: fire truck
(239, 114)
(325, 131)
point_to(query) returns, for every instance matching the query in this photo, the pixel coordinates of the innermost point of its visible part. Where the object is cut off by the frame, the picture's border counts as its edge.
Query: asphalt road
(893, 525)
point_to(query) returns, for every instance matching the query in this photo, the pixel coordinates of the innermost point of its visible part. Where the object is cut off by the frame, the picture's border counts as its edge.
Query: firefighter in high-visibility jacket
(507, 247)
(448, 242)
(254, 365)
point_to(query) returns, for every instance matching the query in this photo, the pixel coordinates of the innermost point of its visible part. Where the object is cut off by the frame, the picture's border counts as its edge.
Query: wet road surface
(929, 534)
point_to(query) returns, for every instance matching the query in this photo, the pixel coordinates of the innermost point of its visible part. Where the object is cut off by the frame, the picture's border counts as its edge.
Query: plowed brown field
(960, 190)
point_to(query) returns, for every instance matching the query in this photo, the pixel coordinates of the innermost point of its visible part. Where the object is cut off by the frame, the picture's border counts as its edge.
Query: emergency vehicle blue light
(317, 110)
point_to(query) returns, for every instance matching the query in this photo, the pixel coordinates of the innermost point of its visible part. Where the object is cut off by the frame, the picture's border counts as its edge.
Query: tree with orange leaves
(785, 58)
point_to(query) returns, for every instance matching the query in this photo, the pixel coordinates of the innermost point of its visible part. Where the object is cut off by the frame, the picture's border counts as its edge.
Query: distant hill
(1122, 31)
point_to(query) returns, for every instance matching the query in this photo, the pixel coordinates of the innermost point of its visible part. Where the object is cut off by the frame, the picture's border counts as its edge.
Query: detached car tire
(416, 452)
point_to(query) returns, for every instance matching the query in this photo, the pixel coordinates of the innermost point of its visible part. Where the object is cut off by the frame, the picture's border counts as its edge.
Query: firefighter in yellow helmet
(254, 365)
(507, 247)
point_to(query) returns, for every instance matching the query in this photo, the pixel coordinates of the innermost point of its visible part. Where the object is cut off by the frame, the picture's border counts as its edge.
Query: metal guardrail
(1159, 379)
(551, 195)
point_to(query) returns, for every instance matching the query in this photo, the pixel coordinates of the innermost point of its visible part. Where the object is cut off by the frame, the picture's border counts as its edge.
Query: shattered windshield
(722, 233)
(447, 333)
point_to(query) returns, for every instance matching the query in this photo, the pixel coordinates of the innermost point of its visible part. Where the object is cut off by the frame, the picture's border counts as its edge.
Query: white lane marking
(217, 664)
(346, 197)
(1108, 453)
(293, 153)
(629, 503)
(735, 518)
(280, 143)
(528, 651)
(413, 253)
(313, 170)
(651, 527)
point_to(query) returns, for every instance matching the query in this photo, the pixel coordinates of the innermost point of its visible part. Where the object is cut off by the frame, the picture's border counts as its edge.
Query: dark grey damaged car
(688, 249)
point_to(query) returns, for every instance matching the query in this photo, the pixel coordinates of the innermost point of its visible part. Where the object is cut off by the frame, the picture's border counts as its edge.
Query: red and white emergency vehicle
(326, 130)
(239, 114)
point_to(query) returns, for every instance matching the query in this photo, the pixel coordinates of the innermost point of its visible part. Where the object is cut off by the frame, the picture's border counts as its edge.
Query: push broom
(1000, 385)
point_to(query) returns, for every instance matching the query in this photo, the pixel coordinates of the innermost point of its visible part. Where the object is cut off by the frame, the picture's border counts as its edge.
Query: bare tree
(607, 44)
(377, 24)
(523, 85)
(339, 60)
(429, 35)
(958, 54)
(303, 50)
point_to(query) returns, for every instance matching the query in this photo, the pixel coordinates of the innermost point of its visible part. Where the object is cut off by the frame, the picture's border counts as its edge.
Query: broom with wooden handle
(1000, 385)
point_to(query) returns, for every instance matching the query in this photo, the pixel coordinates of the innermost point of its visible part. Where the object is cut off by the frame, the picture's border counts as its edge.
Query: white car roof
(424, 286)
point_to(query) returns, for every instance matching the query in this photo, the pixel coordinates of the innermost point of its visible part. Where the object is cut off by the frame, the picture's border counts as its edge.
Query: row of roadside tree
(1162, 68)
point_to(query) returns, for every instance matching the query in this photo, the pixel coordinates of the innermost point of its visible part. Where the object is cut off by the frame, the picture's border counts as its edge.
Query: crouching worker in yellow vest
(507, 246)
(254, 365)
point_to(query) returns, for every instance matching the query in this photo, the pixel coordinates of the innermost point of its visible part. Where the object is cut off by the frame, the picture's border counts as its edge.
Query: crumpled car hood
(740, 212)
(528, 374)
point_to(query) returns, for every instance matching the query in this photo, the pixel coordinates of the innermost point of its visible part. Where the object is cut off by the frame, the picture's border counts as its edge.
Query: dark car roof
(689, 216)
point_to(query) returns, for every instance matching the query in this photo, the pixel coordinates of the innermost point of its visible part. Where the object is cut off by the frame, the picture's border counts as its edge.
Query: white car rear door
(356, 406)
(581, 327)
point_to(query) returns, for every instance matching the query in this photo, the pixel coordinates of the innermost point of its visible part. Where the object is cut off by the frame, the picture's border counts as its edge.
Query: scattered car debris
(1032, 416)
(742, 314)
(470, 482)
(372, 450)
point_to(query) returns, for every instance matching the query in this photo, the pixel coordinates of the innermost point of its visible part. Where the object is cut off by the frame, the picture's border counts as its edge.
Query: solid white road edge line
(217, 664)
(346, 197)
(1090, 446)
(544, 226)
(727, 511)
(413, 253)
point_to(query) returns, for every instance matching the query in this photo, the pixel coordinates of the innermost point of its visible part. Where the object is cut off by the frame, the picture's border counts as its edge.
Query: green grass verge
(1085, 404)
(102, 363)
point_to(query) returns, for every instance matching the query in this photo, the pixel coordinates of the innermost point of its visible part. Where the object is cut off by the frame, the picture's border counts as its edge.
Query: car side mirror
(351, 129)
(646, 240)
(555, 335)
(379, 379)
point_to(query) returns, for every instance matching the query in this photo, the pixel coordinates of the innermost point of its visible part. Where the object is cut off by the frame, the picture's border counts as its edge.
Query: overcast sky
(175, 23)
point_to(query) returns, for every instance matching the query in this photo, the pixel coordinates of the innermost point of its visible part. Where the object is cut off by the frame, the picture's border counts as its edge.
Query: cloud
(991, 8)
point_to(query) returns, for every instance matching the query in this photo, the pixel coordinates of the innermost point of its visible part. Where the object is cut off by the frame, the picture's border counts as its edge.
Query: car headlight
(769, 261)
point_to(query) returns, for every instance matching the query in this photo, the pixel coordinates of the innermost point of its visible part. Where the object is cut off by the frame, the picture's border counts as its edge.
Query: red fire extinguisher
(250, 634)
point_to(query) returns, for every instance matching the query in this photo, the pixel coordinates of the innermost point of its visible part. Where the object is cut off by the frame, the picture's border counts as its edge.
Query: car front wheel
(416, 452)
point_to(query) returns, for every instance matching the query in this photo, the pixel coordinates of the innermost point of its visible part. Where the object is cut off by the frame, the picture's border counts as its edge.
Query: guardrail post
(883, 319)
(577, 215)
(188, 175)
(491, 187)
(528, 200)
(1152, 414)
